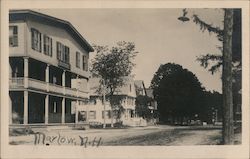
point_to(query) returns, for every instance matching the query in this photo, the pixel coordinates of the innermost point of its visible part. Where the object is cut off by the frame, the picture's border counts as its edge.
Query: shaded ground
(138, 136)
(174, 137)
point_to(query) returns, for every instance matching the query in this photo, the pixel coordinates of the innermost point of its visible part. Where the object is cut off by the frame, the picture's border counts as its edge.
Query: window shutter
(32, 39)
(40, 41)
(57, 50)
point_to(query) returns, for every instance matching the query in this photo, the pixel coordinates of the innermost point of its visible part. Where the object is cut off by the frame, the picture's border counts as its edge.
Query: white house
(94, 110)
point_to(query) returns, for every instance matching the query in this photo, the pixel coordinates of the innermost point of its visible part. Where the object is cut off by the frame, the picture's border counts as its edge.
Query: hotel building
(48, 69)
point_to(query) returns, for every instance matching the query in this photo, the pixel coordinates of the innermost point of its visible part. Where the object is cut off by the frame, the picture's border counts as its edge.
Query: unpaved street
(152, 135)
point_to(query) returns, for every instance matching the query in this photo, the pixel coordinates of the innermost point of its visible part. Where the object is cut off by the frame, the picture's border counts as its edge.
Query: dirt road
(141, 136)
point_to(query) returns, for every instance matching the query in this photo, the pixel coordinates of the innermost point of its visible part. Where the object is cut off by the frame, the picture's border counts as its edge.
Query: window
(130, 88)
(47, 45)
(92, 115)
(78, 59)
(107, 114)
(36, 40)
(84, 63)
(13, 36)
(62, 52)
(82, 116)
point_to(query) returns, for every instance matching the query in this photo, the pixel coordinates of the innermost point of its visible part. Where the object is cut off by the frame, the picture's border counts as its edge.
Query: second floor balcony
(19, 83)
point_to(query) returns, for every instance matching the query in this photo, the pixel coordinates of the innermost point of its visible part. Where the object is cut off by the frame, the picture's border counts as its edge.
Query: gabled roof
(15, 15)
(150, 92)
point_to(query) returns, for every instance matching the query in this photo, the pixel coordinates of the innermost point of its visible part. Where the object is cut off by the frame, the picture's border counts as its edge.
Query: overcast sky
(158, 35)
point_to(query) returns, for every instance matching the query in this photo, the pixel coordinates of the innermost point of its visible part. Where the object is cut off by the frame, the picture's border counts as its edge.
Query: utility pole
(228, 124)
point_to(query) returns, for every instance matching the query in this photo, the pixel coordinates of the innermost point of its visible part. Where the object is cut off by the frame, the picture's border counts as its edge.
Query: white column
(87, 113)
(25, 107)
(47, 76)
(63, 78)
(10, 71)
(77, 87)
(63, 110)
(63, 81)
(47, 109)
(76, 111)
(10, 110)
(26, 71)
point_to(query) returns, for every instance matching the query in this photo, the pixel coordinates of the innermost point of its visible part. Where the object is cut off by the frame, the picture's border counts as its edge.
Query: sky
(158, 35)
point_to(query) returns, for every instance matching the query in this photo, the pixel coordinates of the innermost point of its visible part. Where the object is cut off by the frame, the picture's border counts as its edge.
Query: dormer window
(13, 36)
(36, 41)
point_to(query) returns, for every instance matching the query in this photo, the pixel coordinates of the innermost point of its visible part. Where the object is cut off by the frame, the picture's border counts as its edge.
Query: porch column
(63, 110)
(26, 71)
(10, 71)
(25, 107)
(76, 111)
(63, 81)
(10, 110)
(77, 87)
(46, 109)
(47, 77)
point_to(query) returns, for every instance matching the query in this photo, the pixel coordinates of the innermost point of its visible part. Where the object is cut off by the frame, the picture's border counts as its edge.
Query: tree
(177, 91)
(112, 65)
(141, 107)
(228, 125)
(231, 38)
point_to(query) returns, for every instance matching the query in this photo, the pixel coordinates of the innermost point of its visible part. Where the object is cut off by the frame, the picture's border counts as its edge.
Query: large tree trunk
(228, 125)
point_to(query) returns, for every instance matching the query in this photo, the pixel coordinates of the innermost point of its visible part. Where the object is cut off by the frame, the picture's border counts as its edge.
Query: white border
(236, 151)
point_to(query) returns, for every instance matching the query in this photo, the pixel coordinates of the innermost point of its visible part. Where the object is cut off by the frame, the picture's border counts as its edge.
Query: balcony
(18, 83)
(37, 84)
(83, 94)
(70, 91)
(56, 88)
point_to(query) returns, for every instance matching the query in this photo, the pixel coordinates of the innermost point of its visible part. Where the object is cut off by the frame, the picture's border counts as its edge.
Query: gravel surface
(137, 136)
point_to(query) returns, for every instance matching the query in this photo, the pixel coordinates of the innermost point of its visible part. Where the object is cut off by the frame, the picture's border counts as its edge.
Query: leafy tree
(112, 65)
(211, 103)
(142, 108)
(177, 91)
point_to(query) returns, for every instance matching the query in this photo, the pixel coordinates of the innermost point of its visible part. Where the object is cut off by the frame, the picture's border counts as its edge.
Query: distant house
(140, 88)
(153, 103)
(48, 69)
(94, 110)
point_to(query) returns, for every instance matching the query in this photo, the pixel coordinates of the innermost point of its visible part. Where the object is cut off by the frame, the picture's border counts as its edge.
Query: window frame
(47, 45)
(84, 63)
(78, 59)
(63, 52)
(36, 40)
(13, 38)
(92, 116)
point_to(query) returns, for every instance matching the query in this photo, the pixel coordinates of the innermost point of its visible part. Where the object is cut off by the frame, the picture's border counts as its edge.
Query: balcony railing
(16, 83)
(56, 88)
(83, 94)
(37, 84)
(70, 91)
